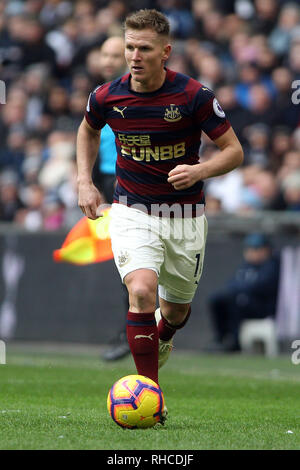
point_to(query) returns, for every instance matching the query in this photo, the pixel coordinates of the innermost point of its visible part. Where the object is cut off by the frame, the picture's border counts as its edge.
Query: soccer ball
(135, 401)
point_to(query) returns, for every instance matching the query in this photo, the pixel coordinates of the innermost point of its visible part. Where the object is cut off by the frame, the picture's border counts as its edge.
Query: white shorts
(172, 247)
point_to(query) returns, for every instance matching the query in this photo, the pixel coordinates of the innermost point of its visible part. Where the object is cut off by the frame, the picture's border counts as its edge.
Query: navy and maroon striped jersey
(155, 132)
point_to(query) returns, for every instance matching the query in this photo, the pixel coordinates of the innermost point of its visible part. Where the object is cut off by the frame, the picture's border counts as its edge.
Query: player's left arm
(229, 157)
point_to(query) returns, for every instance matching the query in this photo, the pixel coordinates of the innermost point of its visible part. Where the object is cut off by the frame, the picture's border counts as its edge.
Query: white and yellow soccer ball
(135, 401)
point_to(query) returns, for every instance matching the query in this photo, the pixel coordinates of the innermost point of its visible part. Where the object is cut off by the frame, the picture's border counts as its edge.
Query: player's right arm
(88, 140)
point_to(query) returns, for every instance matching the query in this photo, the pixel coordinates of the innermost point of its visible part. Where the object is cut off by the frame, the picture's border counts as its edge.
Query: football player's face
(145, 53)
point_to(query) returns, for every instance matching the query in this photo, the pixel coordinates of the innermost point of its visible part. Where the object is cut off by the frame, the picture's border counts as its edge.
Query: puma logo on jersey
(144, 336)
(121, 111)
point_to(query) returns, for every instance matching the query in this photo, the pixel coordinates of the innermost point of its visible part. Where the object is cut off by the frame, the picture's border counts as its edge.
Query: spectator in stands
(30, 217)
(88, 40)
(291, 191)
(179, 16)
(237, 114)
(50, 59)
(210, 71)
(13, 155)
(36, 85)
(178, 62)
(77, 105)
(10, 201)
(266, 15)
(228, 190)
(284, 108)
(260, 106)
(288, 20)
(281, 143)
(34, 47)
(251, 293)
(58, 105)
(290, 164)
(260, 193)
(294, 56)
(257, 145)
(11, 46)
(60, 160)
(93, 67)
(33, 157)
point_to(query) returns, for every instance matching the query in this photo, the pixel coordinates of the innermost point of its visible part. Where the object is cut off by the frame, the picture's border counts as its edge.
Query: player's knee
(142, 293)
(142, 290)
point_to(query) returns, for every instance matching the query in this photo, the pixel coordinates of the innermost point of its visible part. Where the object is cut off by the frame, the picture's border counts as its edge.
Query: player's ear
(166, 52)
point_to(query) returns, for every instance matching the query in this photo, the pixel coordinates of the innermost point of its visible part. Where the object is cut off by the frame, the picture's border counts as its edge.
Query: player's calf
(166, 331)
(142, 335)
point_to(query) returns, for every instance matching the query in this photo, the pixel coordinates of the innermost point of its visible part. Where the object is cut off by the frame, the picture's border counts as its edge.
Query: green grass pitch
(57, 400)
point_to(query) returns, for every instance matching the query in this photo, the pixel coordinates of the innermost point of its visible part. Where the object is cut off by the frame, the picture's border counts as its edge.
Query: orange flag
(87, 242)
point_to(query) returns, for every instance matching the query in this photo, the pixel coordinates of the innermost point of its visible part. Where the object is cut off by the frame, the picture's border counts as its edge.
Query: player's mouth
(136, 68)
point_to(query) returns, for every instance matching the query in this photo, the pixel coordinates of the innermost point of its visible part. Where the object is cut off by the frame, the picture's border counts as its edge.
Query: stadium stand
(248, 52)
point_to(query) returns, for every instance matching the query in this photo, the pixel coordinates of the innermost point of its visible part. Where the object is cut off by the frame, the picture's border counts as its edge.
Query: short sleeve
(209, 115)
(94, 113)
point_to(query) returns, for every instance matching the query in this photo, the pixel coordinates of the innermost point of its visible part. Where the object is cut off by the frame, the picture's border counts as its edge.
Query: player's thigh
(135, 240)
(184, 256)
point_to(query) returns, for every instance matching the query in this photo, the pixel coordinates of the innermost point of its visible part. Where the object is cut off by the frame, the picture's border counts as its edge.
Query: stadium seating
(254, 333)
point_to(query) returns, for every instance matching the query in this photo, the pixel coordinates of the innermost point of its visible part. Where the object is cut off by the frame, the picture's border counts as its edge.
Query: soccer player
(158, 227)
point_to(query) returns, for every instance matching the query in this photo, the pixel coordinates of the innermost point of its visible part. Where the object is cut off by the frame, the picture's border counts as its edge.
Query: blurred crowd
(248, 52)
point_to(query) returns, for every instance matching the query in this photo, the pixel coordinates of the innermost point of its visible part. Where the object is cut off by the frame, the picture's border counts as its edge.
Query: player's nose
(136, 55)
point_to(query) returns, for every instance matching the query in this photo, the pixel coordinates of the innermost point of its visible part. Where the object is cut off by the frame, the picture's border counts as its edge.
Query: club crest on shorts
(123, 258)
(172, 114)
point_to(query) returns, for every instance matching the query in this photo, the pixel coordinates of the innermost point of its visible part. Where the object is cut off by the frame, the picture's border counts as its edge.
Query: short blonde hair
(148, 19)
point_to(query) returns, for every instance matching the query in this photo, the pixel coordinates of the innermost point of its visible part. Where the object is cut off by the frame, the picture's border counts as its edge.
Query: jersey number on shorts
(198, 258)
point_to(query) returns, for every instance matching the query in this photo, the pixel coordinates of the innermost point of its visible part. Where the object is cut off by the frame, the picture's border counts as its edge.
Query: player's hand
(89, 199)
(183, 176)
